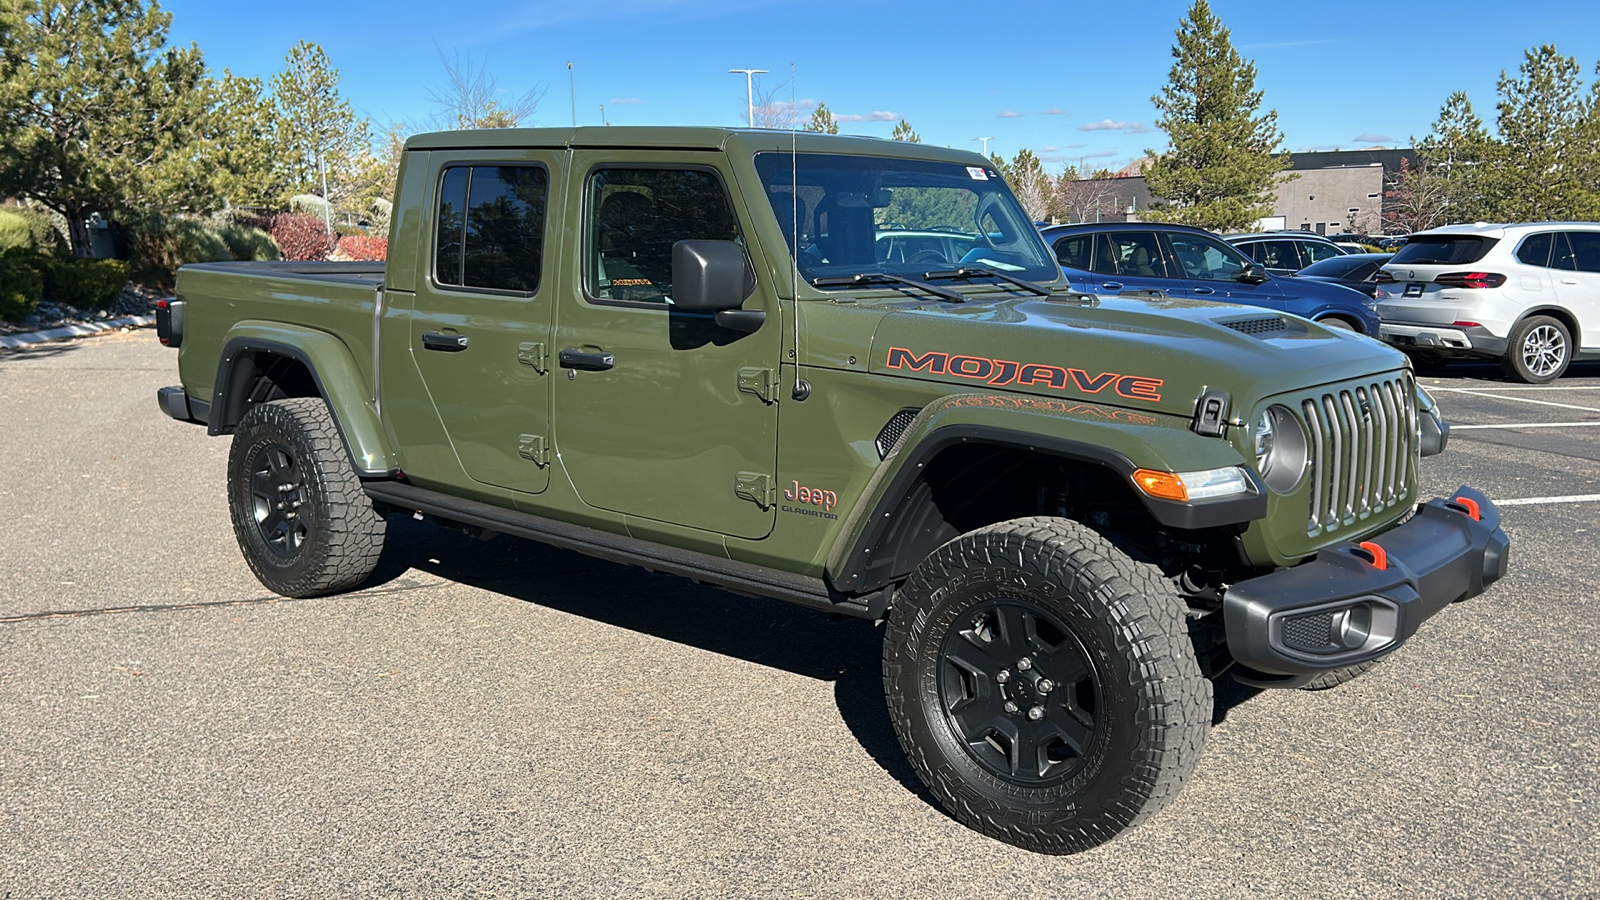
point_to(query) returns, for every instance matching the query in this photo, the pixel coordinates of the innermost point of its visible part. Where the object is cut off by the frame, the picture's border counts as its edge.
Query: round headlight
(1280, 448)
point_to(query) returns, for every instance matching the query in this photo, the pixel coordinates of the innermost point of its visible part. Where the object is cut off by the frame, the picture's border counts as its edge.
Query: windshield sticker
(977, 173)
(998, 372)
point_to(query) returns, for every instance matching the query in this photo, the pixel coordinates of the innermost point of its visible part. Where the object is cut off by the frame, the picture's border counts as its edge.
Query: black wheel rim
(1019, 693)
(277, 496)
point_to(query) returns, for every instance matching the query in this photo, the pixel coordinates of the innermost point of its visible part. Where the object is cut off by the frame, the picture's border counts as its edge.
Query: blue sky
(1070, 80)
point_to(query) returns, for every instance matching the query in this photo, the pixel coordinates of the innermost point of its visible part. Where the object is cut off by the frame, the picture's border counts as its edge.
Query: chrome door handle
(1204, 290)
(1112, 285)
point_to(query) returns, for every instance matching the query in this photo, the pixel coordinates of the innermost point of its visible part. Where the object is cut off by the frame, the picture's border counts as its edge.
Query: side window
(636, 215)
(1318, 252)
(1206, 258)
(1561, 255)
(1137, 253)
(491, 227)
(1585, 249)
(1277, 254)
(1535, 249)
(1073, 252)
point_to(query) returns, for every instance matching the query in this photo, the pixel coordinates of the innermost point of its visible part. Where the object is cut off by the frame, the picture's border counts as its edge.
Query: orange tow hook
(1471, 506)
(1380, 559)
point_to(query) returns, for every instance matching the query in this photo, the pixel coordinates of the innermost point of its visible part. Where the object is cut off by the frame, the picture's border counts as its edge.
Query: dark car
(1285, 252)
(1181, 261)
(1356, 271)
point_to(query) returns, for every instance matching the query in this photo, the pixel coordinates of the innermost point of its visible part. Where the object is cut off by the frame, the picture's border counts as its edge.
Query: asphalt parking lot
(502, 719)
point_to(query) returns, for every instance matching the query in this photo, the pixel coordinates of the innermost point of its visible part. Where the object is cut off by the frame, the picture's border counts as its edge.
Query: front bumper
(1359, 601)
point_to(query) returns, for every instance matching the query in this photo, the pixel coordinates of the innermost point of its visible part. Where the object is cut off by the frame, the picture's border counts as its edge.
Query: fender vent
(1265, 325)
(893, 431)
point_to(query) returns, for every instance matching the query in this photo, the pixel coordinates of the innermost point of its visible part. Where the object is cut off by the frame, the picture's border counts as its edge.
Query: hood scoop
(1258, 325)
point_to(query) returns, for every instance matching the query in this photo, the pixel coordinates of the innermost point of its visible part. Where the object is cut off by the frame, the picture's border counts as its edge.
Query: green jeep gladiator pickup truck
(847, 373)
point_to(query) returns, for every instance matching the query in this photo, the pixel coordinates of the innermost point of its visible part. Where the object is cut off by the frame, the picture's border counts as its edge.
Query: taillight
(1470, 279)
(1384, 277)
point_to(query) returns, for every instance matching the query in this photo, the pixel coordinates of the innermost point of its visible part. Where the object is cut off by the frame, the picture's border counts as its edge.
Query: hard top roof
(676, 137)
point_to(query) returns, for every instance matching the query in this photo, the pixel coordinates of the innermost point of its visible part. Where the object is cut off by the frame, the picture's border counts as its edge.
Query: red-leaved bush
(301, 237)
(362, 247)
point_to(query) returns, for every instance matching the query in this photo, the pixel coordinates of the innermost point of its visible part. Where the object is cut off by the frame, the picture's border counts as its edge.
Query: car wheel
(1336, 322)
(1043, 685)
(1336, 677)
(301, 518)
(1426, 363)
(1537, 351)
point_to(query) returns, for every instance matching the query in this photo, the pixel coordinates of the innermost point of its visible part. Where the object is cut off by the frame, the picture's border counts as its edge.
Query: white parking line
(1532, 501)
(1527, 425)
(1518, 399)
(1539, 388)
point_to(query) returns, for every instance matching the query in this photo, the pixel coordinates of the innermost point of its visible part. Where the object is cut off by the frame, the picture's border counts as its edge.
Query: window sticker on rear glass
(977, 173)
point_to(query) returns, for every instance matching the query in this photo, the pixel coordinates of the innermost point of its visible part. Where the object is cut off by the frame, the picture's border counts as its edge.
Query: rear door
(1578, 287)
(1074, 253)
(1131, 261)
(660, 413)
(480, 324)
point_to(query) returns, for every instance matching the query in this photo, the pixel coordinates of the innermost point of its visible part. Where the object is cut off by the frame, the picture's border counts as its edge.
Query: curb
(13, 341)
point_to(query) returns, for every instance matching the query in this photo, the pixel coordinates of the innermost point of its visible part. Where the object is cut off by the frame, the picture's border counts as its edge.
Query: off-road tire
(1538, 351)
(288, 452)
(1084, 606)
(1336, 677)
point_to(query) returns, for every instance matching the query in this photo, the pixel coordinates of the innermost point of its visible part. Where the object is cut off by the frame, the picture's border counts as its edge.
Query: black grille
(1313, 632)
(893, 431)
(1265, 325)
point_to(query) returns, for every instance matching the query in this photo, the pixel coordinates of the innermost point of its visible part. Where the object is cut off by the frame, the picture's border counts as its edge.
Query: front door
(480, 327)
(660, 413)
(1212, 267)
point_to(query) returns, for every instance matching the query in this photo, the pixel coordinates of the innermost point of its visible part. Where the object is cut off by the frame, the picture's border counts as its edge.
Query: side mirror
(709, 276)
(1254, 275)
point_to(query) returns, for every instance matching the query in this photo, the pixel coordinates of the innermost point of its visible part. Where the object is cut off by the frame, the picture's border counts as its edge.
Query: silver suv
(1527, 294)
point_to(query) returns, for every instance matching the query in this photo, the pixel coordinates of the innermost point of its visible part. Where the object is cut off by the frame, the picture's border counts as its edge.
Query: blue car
(1180, 261)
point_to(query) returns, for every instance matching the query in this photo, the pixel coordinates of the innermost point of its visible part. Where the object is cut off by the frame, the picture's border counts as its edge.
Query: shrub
(158, 245)
(301, 237)
(21, 286)
(14, 231)
(309, 205)
(246, 242)
(85, 283)
(363, 247)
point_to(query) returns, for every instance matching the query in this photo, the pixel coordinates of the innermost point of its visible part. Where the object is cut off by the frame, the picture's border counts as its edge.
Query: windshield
(867, 214)
(1443, 250)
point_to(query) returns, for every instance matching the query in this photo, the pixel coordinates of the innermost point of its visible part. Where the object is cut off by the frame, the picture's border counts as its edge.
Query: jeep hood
(1142, 354)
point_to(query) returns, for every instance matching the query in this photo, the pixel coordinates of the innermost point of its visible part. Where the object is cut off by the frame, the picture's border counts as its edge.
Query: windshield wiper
(966, 273)
(866, 278)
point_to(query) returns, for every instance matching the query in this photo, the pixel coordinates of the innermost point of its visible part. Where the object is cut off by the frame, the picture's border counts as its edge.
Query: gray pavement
(502, 719)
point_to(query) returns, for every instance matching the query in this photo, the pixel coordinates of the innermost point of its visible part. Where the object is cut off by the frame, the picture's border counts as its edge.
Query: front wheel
(302, 520)
(1043, 685)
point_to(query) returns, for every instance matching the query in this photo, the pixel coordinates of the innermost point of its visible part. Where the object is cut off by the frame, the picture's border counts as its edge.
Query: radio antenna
(801, 390)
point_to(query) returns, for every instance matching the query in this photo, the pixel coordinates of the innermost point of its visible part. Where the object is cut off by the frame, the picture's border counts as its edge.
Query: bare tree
(1091, 199)
(1417, 199)
(768, 107)
(472, 98)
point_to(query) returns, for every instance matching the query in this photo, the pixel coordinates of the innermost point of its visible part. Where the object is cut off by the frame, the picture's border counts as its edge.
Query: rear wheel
(1336, 322)
(1426, 363)
(302, 520)
(1537, 351)
(1043, 685)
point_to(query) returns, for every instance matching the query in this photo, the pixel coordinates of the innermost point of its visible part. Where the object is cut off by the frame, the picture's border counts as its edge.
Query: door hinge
(533, 354)
(532, 447)
(761, 382)
(757, 488)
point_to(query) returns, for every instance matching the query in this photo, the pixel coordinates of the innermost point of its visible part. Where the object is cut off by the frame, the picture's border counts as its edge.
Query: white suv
(1527, 294)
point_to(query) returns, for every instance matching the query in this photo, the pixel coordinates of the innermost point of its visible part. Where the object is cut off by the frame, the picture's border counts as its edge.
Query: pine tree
(1456, 178)
(1224, 157)
(903, 132)
(1542, 115)
(822, 120)
(97, 114)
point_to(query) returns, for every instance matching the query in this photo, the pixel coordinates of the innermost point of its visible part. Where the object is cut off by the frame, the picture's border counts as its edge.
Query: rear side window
(636, 215)
(1442, 250)
(1275, 254)
(1585, 249)
(1315, 252)
(1535, 249)
(1073, 252)
(491, 227)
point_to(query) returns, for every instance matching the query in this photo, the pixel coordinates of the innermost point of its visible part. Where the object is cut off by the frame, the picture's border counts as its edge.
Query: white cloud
(1050, 149)
(625, 101)
(1011, 114)
(877, 115)
(1367, 137)
(1056, 111)
(1109, 125)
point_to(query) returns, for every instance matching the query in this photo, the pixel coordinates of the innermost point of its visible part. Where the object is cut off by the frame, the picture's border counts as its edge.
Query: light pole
(749, 90)
(986, 141)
